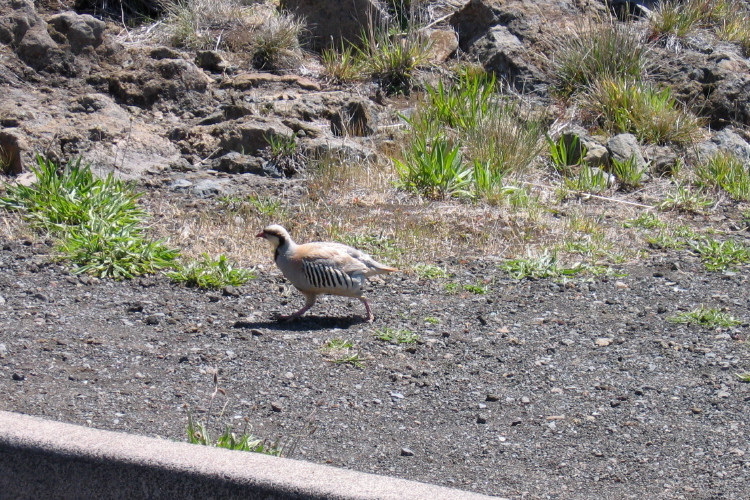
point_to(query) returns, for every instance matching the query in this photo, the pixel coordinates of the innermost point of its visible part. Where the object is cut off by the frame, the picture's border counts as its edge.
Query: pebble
(277, 406)
(492, 397)
(603, 342)
(18, 377)
(2, 300)
(481, 418)
(406, 452)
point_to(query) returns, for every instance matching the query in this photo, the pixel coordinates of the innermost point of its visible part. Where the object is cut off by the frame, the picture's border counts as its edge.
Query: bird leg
(309, 302)
(370, 316)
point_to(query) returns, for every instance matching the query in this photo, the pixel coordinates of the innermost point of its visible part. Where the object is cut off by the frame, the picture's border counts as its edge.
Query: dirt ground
(534, 389)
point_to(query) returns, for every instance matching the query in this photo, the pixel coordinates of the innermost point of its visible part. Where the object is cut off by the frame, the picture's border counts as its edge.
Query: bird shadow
(305, 323)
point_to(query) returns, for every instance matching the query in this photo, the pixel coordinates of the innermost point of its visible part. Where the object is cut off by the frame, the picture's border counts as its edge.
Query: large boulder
(329, 22)
(715, 83)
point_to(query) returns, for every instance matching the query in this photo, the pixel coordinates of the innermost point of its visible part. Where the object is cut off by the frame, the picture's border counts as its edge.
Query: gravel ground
(532, 390)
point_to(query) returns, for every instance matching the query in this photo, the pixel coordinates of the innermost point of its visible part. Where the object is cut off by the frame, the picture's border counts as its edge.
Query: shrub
(596, 52)
(632, 106)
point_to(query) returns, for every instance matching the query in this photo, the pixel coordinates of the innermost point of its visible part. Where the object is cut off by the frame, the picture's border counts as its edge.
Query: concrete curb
(45, 459)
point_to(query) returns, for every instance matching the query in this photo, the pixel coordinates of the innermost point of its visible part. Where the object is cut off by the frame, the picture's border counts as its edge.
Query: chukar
(316, 268)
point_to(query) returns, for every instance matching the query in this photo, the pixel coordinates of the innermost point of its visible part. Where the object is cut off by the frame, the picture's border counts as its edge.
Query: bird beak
(261, 234)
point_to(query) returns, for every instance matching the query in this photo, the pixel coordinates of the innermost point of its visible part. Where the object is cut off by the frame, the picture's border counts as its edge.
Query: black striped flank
(322, 276)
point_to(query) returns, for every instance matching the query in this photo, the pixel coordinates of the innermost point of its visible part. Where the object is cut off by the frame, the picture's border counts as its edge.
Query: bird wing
(371, 265)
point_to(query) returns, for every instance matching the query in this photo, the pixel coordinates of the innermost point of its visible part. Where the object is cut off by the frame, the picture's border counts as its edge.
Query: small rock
(696, 411)
(603, 342)
(397, 395)
(481, 419)
(2, 300)
(492, 397)
(18, 377)
(152, 319)
(276, 406)
(406, 452)
(525, 400)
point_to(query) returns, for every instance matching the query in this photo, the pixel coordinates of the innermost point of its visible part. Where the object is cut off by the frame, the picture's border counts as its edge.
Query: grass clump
(199, 24)
(392, 59)
(466, 140)
(589, 180)
(198, 434)
(435, 170)
(96, 221)
(647, 220)
(706, 317)
(211, 273)
(430, 271)
(342, 352)
(726, 172)
(592, 53)
(685, 199)
(674, 20)
(721, 255)
(399, 336)
(342, 65)
(640, 108)
(541, 266)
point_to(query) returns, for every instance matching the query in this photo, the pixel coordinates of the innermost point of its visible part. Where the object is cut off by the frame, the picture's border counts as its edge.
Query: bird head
(275, 235)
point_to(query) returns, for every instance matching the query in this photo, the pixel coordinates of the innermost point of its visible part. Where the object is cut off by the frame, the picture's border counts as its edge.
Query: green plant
(537, 267)
(720, 255)
(705, 316)
(725, 171)
(400, 336)
(435, 170)
(432, 320)
(566, 152)
(744, 377)
(646, 220)
(595, 52)
(71, 195)
(211, 273)
(393, 59)
(476, 289)
(342, 65)
(430, 271)
(452, 288)
(96, 221)
(266, 206)
(677, 18)
(633, 106)
(685, 199)
(589, 180)
(198, 434)
(110, 251)
(627, 172)
(460, 105)
(342, 352)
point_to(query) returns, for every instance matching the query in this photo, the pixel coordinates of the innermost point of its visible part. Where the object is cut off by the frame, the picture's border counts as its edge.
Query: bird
(322, 268)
